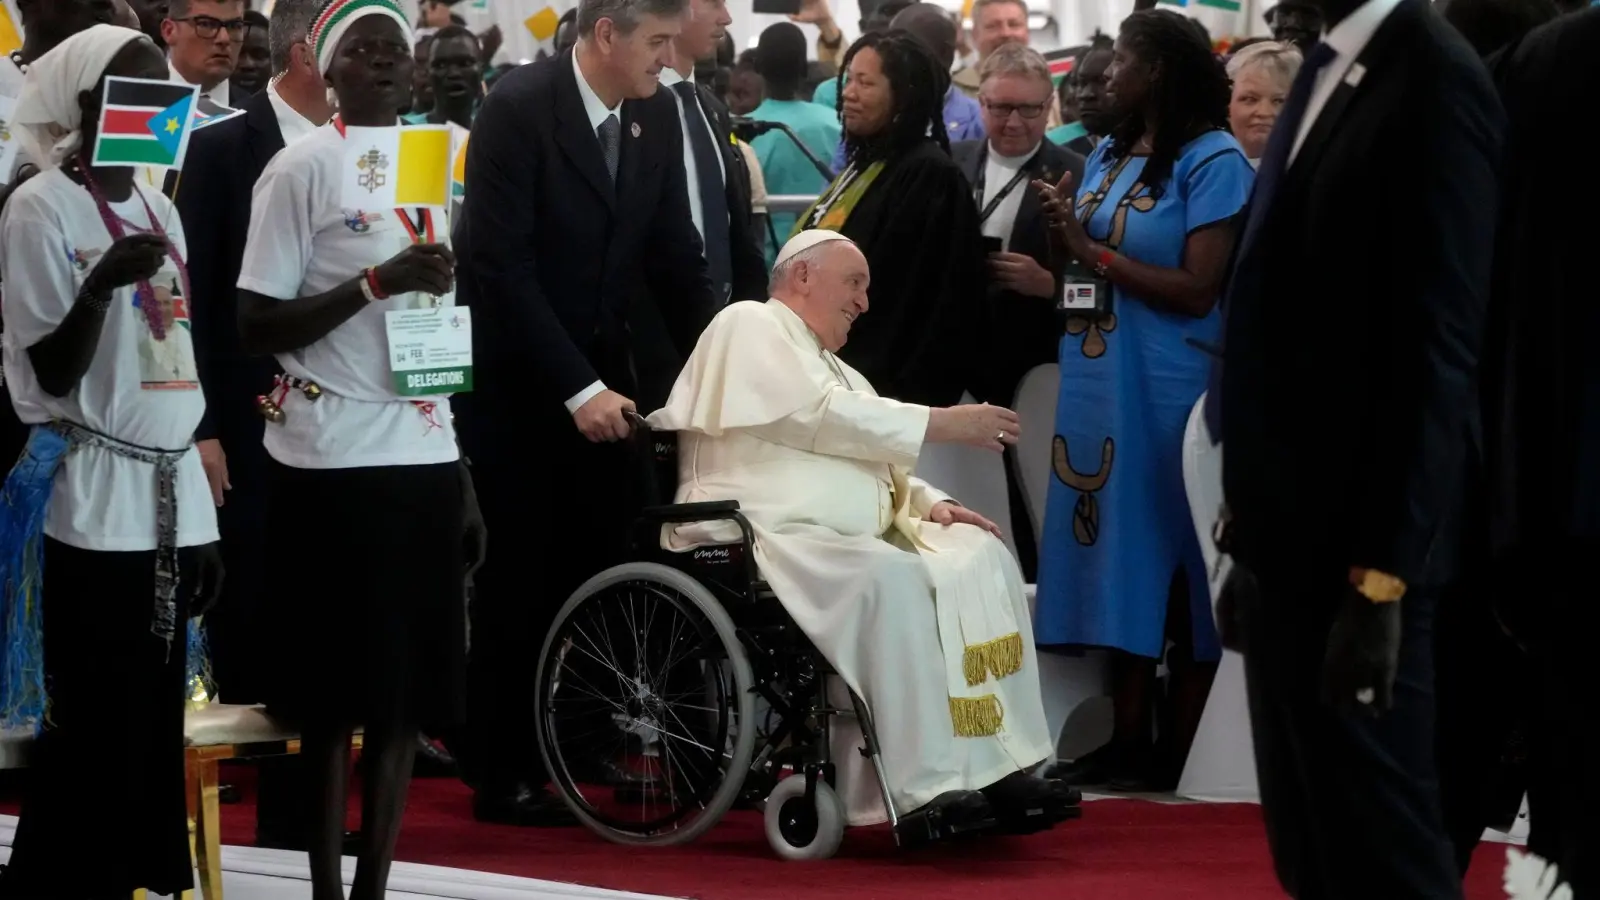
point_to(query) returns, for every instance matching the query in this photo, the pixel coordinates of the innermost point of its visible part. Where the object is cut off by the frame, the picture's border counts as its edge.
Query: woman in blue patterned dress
(1151, 230)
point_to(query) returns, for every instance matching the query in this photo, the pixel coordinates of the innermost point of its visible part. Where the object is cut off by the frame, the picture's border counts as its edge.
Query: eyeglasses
(207, 27)
(1025, 110)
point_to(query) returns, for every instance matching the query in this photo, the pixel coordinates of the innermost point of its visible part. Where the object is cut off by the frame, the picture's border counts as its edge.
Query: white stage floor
(252, 874)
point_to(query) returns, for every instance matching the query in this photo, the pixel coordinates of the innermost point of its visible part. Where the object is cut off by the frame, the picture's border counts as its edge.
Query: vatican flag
(527, 27)
(10, 28)
(396, 167)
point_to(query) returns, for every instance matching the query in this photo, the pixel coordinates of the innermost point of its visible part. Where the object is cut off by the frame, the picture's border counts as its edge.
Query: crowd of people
(211, 423)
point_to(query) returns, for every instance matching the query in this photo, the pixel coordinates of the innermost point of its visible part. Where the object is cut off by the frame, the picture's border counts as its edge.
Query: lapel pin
(636, 129)
(1357, 72)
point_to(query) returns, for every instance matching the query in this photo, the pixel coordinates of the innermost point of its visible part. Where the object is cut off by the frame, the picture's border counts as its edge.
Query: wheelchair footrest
(928, 825)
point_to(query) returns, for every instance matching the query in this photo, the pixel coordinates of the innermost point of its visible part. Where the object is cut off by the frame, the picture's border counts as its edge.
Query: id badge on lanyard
(1083, 291)
(430, 349)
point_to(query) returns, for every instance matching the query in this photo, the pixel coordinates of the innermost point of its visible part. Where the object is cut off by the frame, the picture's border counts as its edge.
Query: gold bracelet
(1379, 587)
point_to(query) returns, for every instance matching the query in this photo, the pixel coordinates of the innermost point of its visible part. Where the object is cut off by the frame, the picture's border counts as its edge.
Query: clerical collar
(1013, 162)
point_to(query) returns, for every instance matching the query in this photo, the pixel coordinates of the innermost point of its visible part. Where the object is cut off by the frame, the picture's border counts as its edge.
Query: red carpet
(1120, 850)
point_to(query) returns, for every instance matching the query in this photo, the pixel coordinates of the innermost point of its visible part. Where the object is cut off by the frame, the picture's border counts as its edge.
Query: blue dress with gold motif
(1117, 524)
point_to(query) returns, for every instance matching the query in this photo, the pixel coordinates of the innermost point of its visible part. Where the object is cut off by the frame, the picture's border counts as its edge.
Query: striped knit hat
(336, 18)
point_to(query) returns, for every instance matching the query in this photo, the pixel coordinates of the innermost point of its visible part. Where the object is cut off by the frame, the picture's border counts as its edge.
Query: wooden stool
(212, 733)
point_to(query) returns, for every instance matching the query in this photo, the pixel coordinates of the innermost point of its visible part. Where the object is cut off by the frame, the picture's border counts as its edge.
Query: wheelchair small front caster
(801, 829)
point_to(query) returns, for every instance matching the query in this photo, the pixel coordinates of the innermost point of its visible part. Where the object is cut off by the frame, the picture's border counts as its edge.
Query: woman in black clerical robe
(909, 207)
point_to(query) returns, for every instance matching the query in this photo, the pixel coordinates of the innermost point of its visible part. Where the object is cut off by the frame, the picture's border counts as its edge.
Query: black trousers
(558, 512)
(1351, 802)
(1564, 752)
(1483, 717)
(113, 739)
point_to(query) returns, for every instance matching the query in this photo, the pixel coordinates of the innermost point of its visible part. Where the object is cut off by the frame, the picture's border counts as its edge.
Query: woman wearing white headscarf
(364, 466)
(107, 535)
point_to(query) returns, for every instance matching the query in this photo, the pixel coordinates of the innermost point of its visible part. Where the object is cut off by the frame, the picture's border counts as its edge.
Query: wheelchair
(647, 688)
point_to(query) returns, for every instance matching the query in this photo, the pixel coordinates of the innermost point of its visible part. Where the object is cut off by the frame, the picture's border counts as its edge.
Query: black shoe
(433, 761)
(1024, 804)
(525, 806)
(274, 839)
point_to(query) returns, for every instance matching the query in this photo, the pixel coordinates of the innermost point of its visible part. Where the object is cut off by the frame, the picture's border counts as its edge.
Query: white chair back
(974, 477)
(1222, 765)
(1036, 407)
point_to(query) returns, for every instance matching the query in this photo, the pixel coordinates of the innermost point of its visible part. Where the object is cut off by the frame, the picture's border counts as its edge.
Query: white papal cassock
(922, 620)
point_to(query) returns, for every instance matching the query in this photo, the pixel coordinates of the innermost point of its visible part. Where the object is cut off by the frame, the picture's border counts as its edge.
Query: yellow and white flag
(393, 167)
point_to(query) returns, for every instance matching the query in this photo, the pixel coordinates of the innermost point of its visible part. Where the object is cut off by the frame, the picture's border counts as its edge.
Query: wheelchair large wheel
(645, 706)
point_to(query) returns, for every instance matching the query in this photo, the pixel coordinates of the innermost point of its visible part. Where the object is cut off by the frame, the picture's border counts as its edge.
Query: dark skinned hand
(130, 260)
(1363, 655)
(474, 534)
(208, 578)
(1056, 201)
(420, 268)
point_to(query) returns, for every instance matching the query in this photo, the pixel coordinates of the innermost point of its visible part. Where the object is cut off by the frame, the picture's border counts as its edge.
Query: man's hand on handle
(974, 424)
(604, 417)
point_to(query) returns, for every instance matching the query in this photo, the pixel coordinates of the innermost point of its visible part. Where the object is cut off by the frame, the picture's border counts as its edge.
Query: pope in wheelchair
(786, 455)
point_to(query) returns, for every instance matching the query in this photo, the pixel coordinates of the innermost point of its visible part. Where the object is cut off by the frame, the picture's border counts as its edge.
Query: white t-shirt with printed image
(138, 389)
(302, 243)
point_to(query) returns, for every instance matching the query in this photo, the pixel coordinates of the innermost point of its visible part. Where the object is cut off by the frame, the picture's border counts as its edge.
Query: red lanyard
(143, 290)
(419, 227)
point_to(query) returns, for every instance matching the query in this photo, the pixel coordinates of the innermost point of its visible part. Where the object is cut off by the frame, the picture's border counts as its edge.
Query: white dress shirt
(997, 173)
(670, 78)
(218, 95)
(291, 123)
(598, 112)
(1348, 39)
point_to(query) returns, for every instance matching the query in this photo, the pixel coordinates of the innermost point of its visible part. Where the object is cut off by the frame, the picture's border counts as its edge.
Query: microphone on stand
(747, 129)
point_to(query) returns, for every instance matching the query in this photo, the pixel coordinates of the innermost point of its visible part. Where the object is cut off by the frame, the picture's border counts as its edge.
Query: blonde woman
(1261, 75)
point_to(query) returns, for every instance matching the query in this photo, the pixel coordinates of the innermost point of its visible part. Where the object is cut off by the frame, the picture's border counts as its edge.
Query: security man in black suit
(1350, 429)
(213, 197)
(577, 227)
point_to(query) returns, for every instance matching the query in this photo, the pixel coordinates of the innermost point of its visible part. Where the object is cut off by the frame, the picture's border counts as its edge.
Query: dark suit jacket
(1021, 332)
(749, 262)
(1349, 399)
(1541, 376)
(558, 264)
(213, 200)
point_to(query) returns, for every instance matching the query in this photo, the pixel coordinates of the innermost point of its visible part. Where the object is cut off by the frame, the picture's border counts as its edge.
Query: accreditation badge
(1083, 291)
(430, 350)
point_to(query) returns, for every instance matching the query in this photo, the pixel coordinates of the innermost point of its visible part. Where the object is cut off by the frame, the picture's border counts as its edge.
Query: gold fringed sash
(999, 657)
(977, 716)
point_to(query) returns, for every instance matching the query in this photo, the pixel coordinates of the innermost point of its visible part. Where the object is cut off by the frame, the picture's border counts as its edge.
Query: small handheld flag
(390, 167)
(458, 169)
(144, 122)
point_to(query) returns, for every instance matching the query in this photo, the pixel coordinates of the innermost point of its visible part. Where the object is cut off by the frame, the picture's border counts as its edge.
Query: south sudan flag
(144, 123)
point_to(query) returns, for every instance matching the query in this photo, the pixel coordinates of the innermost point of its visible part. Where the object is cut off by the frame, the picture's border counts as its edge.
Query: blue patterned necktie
(1276, 158)
(610, 133)
(713, 200)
